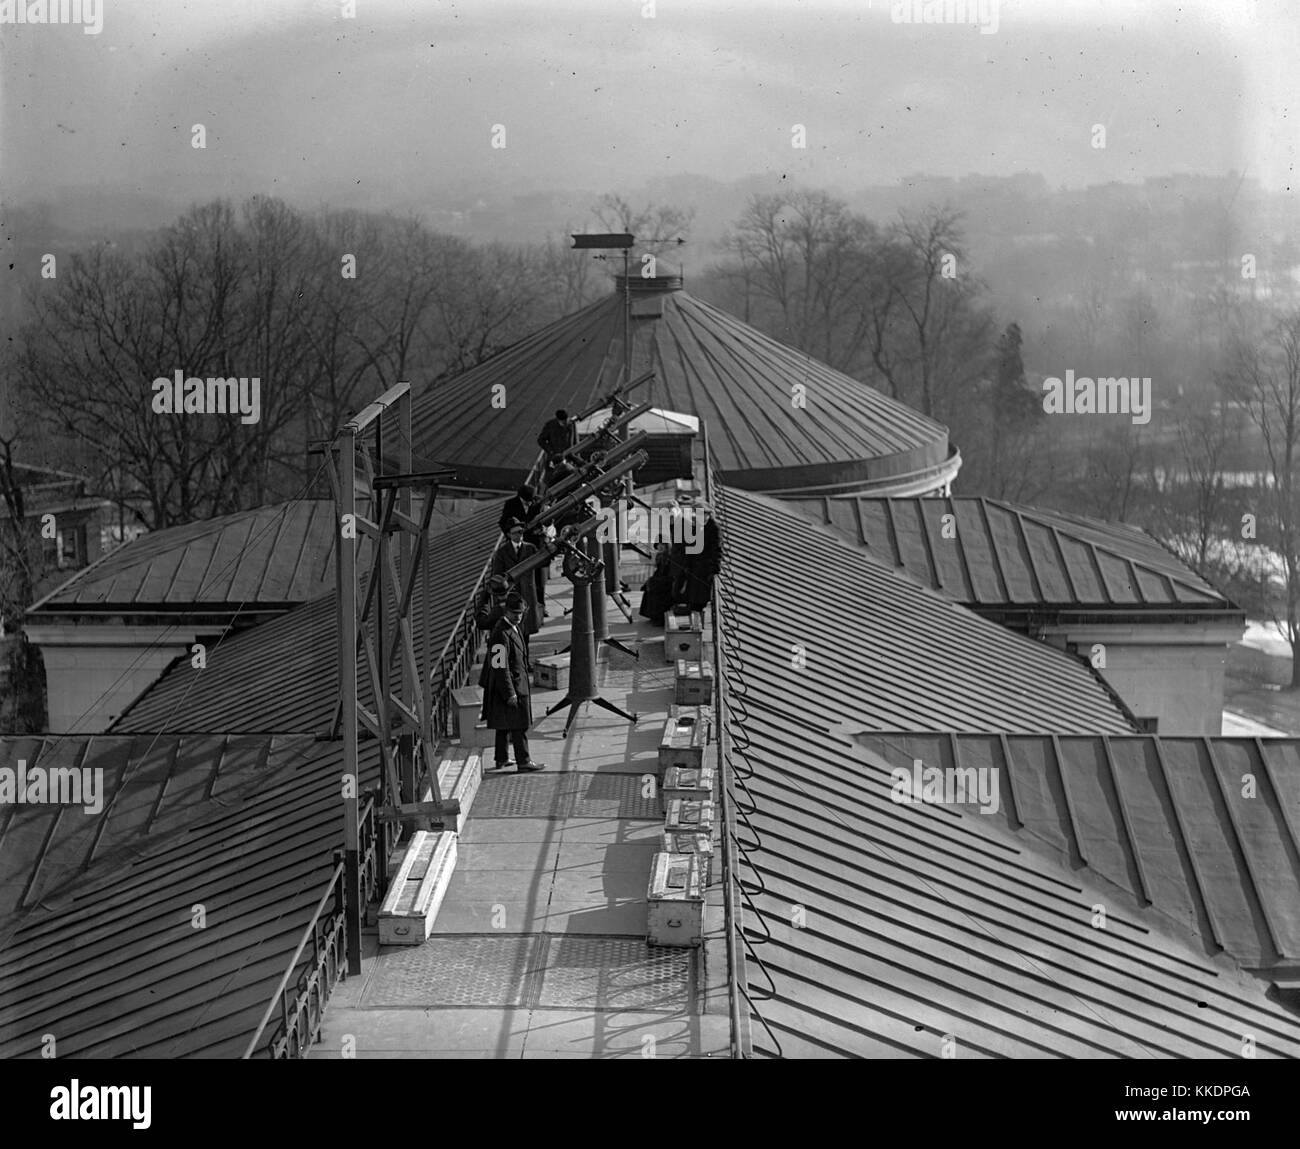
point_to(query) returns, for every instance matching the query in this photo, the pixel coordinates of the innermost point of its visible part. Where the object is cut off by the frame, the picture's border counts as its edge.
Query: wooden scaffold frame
(402, 719)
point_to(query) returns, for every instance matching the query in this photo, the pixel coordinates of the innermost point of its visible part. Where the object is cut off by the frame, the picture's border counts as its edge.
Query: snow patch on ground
(1267, 637)
(1237, 726)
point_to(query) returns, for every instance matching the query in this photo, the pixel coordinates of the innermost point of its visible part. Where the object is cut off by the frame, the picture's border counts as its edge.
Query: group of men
(512, 613)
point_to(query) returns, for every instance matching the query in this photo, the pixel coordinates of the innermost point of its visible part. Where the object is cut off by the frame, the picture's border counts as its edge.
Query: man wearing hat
(512, 551)
(507, 704)
(557, 435)
(491, 605)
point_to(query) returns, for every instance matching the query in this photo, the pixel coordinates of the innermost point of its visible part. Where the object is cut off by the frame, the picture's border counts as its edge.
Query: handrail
(369, 413)
(293, 961)
(369, 864)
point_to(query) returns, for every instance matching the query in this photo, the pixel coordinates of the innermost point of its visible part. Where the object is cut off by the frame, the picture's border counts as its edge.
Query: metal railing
(302, 1005)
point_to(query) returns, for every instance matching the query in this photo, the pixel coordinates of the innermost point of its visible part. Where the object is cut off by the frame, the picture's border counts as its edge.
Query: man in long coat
(507, 701)
(514, 550)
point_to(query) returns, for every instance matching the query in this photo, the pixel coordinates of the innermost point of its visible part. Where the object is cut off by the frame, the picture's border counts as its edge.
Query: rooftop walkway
(539, 948)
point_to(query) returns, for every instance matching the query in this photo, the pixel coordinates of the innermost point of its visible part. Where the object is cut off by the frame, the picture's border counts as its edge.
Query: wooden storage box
(551, 673)
(469, 705)
(694, 683)
(691, 783)
(691, 842)
(416, 893)
(690, 814)
(675, 901)
(686, 733)
(684, 637)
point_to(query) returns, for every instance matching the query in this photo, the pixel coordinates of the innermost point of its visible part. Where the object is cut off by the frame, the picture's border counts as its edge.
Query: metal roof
(111, 962)
(708, 364)
(1204, 831)
(879, 650)
(269, 556)
(917, 923)
(999, 554)
(281, 676)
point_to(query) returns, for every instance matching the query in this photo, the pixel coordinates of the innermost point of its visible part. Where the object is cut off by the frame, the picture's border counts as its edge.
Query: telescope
(586, 472)
(586, 491)
(605, 433)
(546, 553)
(616, 394)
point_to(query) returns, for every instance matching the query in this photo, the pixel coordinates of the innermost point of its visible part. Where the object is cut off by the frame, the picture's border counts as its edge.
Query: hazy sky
(401, 100)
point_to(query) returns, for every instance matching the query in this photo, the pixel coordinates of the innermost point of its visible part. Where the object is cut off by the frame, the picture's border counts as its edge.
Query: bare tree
(658, 227)
(1202, 443)
(1264, 373)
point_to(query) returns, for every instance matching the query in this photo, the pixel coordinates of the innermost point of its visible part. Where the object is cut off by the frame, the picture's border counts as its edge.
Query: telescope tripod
(582, 570)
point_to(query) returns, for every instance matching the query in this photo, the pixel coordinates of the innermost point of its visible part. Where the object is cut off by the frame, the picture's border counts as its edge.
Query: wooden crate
(413, 900)
(675, 901)
(691, 842)
(694, 683)
(551, 673)
(691, 783)
(686, 733)
(690, 814)
(684, 637)
(469, 704)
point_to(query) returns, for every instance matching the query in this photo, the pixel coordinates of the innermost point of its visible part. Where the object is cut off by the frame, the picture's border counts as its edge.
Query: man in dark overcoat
(514, 550)
(507, 701)
(524, 507)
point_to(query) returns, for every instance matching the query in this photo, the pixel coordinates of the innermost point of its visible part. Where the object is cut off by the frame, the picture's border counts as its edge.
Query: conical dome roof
(846, 436)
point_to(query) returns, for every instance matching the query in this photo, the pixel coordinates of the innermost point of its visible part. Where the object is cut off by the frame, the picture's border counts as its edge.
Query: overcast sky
(304, 103)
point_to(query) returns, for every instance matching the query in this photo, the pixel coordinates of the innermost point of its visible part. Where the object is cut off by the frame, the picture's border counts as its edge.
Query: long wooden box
(694, 683)
(675, 901)
(416, 893)
(684, 637)
(692, 783)
(458, 777)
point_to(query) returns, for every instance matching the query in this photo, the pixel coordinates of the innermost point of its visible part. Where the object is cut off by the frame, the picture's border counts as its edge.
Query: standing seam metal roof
(708, 364)
(918, 923)
(1009, 555)
(276, 555)
(1206, 831)
(881, 651)
(281, 676)
(113, 966)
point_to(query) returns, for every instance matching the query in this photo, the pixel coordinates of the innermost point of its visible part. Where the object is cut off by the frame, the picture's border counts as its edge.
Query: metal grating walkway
(537, 971)
(572, 794)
